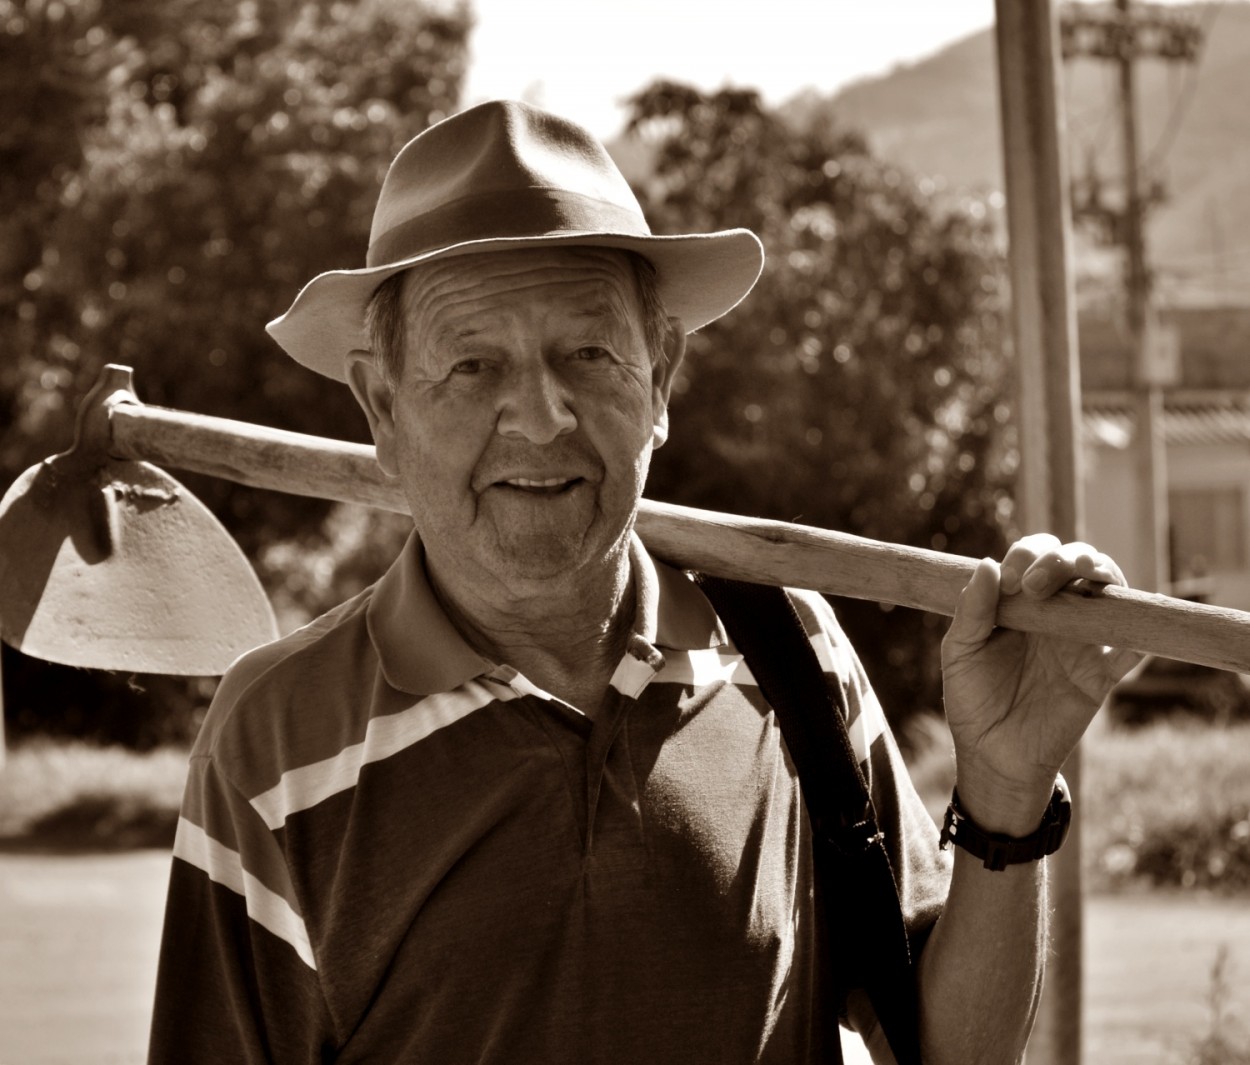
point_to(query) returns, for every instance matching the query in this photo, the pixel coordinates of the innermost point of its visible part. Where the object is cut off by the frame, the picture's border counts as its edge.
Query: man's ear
(376, 399)
(663, 375)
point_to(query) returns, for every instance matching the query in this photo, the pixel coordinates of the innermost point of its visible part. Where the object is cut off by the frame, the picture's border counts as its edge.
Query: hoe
(106, 561)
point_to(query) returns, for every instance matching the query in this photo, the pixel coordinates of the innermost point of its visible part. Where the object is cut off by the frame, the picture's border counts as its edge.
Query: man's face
(522, 422)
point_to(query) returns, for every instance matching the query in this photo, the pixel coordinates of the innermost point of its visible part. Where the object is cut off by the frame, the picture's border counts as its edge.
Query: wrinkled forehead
(571, 282)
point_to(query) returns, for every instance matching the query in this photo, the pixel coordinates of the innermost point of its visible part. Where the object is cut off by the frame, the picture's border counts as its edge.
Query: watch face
(1061, 809)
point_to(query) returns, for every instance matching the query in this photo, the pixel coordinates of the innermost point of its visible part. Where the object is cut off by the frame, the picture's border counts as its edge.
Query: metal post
(1151, 463)
(1044, 335)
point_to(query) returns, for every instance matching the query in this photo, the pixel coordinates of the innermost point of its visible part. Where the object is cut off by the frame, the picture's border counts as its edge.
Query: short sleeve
(237, 980)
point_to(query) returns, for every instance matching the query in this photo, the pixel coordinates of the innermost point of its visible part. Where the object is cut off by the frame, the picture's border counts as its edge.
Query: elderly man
(521, 800)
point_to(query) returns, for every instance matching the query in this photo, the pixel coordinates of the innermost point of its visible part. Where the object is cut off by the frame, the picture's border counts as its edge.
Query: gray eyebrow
(608, 310)
(598, 311)
(603, 311)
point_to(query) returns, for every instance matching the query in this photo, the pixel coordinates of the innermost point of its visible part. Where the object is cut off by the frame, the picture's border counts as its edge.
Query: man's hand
(1017, 703)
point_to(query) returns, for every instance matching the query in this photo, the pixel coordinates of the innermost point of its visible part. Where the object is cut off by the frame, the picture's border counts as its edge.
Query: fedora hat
(505, 175)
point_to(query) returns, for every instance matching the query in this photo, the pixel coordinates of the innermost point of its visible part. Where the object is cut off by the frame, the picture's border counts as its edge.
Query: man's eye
(466, 366)
(592, 352)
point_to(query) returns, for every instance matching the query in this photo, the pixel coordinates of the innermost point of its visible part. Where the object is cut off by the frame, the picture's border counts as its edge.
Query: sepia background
(172, 173)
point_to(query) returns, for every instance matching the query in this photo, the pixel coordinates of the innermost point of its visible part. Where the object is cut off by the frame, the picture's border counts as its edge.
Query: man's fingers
(1097, 566)
(1048, 572)
(1021, 555)
(978, 607)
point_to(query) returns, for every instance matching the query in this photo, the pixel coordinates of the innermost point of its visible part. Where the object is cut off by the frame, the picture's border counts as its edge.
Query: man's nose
(534, 405)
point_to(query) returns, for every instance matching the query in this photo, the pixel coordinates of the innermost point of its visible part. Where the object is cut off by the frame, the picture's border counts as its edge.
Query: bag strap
(857, 896)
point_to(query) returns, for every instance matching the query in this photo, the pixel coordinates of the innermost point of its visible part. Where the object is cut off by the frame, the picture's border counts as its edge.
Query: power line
(1230, 253)
(1183, 99)
(1124, 38)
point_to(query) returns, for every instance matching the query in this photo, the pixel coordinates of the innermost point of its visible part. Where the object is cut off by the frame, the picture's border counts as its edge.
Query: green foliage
(861, 386)
(172, 173)
(1168, 805)
(81, 795)
(179, 169)
(352, 548)
(140, 712)
(1165, 805)
(1227, 1040)
(225, 153)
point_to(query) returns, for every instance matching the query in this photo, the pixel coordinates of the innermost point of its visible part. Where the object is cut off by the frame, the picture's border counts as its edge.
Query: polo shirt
(394, 850)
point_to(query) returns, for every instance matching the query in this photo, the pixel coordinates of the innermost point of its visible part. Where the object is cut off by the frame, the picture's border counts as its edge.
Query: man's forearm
(1017, 706)
(981, 971)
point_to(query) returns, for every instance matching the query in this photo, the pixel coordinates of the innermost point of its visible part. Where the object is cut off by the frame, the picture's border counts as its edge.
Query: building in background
(1206, 430)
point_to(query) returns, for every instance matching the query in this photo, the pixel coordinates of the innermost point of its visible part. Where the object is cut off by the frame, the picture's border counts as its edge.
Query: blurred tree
(173, 173)
(862, 385)
(52, 64)
(231, 152)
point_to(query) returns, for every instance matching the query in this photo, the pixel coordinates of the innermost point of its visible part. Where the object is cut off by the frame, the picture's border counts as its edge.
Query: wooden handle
(774, 552)
(767, 552)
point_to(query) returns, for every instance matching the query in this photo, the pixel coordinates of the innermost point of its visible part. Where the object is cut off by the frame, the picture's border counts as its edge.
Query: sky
(581, 57)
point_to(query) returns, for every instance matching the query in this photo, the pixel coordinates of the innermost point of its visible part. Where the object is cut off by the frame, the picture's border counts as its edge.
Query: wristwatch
(997, 850)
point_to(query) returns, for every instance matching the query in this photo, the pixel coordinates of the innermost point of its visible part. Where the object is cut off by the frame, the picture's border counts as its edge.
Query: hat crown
(501, 176)
(503, 156)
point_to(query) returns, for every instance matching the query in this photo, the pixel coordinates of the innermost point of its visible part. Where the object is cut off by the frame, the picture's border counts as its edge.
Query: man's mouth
(539, 485)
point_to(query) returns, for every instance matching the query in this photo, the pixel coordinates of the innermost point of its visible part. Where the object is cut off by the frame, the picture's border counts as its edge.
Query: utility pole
(1043, 316)
(1124, 38)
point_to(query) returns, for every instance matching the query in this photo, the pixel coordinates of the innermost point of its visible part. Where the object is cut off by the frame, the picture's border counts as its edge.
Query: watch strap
(997, 850)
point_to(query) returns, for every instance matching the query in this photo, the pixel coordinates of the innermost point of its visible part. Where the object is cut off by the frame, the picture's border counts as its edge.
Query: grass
(1226, 1040)
(1162, 790)
(1167, 805)
(75, 795)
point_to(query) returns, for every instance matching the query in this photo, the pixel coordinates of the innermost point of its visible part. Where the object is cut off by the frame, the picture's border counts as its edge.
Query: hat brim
(700, 277)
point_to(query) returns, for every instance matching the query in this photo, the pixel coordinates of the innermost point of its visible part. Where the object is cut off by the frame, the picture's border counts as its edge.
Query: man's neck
(565, 634)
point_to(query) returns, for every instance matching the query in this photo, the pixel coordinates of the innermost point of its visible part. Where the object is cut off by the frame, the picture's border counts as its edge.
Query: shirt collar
(672, 612)
(422, 652)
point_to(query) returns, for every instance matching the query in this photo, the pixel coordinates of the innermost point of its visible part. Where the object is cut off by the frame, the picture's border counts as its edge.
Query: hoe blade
(120, 567)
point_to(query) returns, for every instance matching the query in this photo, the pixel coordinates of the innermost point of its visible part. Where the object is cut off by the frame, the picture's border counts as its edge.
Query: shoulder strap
(857, 897)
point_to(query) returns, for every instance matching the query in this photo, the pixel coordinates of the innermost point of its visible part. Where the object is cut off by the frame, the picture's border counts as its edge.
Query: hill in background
(939, 118)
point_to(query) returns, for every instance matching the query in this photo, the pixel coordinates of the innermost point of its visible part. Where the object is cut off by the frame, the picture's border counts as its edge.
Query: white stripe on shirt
(632, 676)
(224, 866)
(304, 786)
(708, 665)
(704, 666)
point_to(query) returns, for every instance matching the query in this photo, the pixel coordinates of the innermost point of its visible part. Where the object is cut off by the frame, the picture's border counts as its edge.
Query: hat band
(524, 213)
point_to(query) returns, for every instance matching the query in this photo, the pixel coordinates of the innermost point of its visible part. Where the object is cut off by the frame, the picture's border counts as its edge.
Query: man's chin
(555, 558)
(542, 559)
